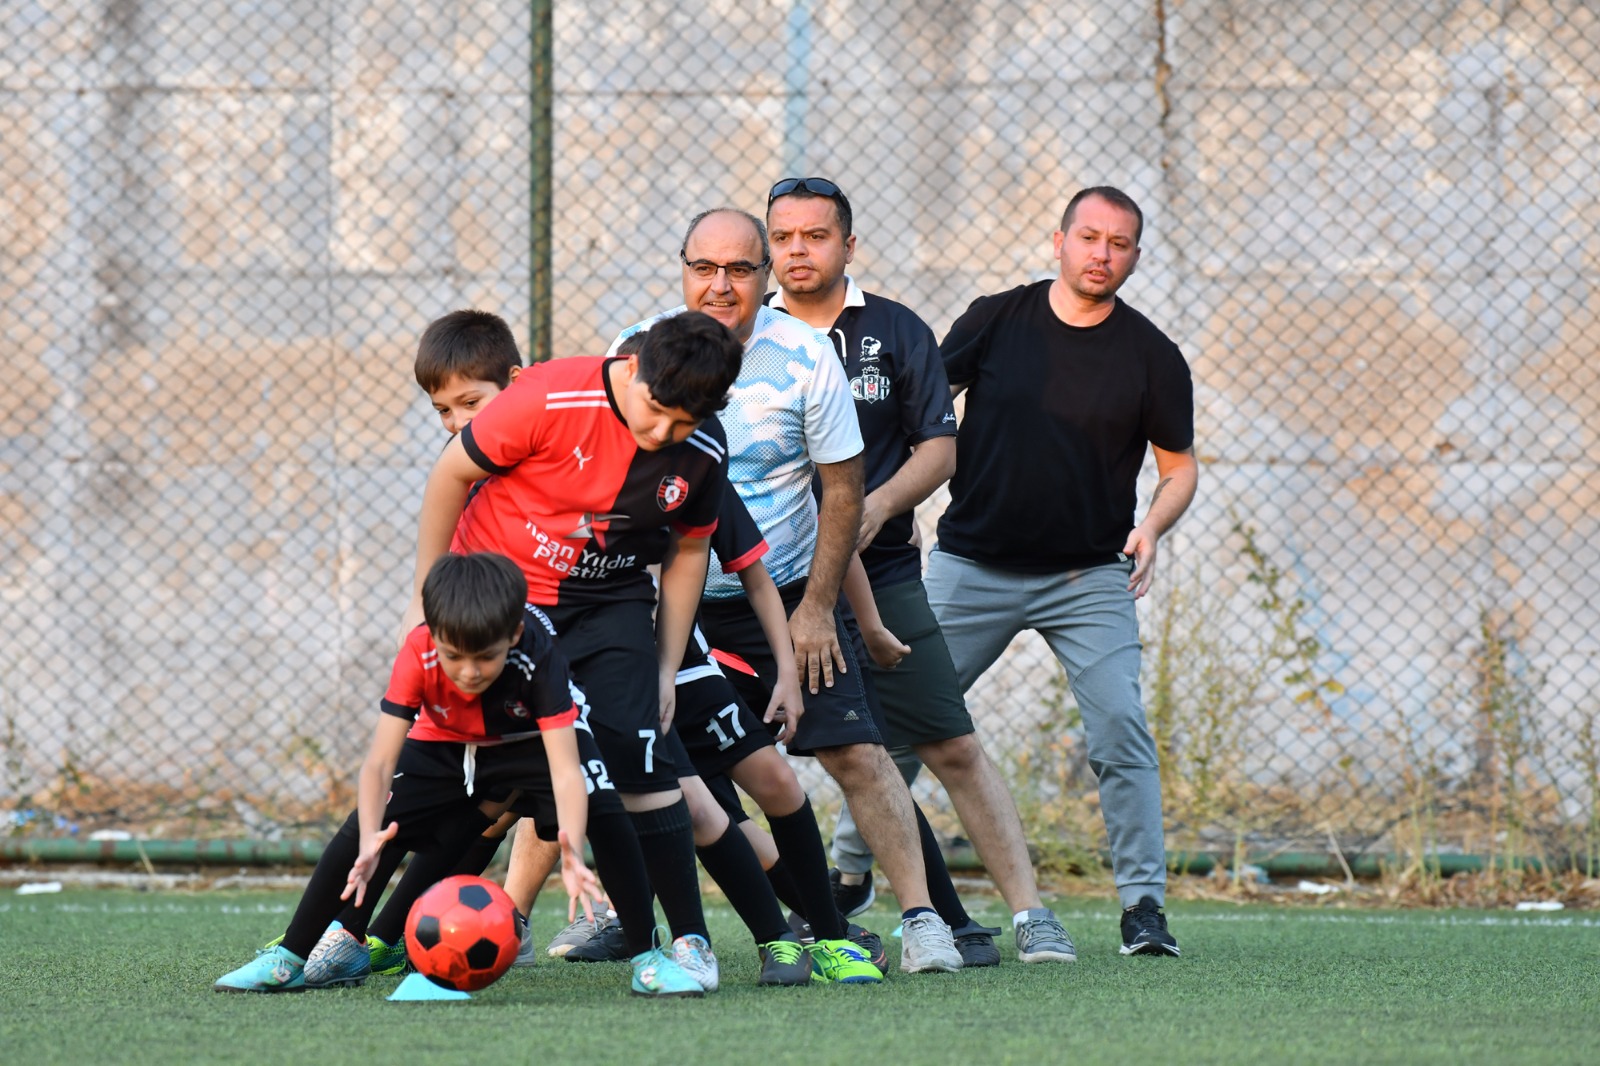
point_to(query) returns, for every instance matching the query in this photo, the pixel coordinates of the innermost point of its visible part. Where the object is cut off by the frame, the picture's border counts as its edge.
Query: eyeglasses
(815, 186)
(705, 269)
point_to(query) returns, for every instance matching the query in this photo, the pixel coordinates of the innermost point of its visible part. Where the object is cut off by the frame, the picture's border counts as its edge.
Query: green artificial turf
(118, 976)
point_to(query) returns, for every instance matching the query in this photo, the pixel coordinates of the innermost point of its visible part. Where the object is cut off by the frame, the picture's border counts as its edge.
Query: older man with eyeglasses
(790, 414)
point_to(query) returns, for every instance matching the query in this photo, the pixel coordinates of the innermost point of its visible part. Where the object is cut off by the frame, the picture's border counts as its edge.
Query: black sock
(783, 886)
(424, 871)
(320, 903)
(732, 864)
(619, 863)
(800, 846)
(667, 840)
(941, 890)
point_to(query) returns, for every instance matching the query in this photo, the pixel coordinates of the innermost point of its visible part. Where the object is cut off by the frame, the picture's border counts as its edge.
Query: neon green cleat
(387, 959)
(841, 962)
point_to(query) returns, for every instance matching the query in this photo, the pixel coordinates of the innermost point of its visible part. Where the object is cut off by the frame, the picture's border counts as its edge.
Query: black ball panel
(474, 896)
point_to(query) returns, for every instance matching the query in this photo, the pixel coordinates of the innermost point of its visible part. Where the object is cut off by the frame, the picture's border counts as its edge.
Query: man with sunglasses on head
(790, 418)
(908, 423)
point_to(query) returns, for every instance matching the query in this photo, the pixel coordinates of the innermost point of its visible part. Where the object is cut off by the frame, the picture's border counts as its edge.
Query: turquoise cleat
(656, 974)
(274, 969)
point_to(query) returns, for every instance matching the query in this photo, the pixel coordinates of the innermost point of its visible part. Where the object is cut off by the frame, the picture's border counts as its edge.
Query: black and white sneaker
(852, 899)
(976, 944)
(1144, 930)
(608, 945)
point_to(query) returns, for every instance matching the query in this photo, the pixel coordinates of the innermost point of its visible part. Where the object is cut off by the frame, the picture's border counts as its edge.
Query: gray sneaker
(926, 945)
(526, 954)
(578, 933)
(339, 959)
(1042, 938)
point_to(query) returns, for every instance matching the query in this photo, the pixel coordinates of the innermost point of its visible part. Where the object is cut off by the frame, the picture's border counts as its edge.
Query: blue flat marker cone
(417, 988)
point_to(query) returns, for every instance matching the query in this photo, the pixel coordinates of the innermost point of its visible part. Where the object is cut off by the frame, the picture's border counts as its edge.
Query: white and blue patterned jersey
(790, 407)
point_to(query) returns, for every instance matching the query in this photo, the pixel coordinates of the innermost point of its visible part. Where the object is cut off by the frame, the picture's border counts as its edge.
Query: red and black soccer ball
(462, 933)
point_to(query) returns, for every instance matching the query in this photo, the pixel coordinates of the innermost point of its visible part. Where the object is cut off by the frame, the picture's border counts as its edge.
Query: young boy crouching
(487, 700)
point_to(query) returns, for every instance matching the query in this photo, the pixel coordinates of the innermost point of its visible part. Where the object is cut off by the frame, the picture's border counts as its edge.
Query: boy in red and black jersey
(478, 719)
(585, 502)
(597, 468)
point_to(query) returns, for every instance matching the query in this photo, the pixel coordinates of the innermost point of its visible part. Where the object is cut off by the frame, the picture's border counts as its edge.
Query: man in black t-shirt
(1066, 386)
(908, 426)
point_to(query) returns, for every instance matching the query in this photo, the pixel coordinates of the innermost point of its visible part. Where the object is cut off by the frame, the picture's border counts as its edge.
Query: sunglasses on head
(815, 186)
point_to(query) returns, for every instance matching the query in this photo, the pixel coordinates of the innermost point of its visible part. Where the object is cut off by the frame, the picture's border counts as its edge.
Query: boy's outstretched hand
(367, 862)
(785, 708)
(583, 890)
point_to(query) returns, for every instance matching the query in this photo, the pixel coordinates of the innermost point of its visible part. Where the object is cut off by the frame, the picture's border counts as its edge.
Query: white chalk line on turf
(1358, 918)
(1181, 915)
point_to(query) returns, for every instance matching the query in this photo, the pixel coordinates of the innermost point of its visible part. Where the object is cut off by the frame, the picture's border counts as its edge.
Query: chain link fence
(1372, 227)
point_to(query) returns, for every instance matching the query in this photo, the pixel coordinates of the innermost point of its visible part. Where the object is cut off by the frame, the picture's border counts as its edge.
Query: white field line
(46, 905)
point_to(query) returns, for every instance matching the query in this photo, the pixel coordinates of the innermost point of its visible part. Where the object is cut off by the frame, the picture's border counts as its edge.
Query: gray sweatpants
(1087, 619)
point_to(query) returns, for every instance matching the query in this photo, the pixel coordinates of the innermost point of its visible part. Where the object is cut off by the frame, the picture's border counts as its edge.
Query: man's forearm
(838, 524)
(1178, 476)
(930, 465)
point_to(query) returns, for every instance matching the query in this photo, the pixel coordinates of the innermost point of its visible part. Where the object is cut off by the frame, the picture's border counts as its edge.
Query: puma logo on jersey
(578, 454)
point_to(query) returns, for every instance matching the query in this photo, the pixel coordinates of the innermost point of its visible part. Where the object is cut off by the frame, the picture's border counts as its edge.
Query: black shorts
(920, 699)
(612, 650)
(717, 729)
(429, 793)
(834, 717)
(723, 791)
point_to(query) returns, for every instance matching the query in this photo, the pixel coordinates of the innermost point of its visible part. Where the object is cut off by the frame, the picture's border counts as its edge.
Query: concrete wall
(1373, 227)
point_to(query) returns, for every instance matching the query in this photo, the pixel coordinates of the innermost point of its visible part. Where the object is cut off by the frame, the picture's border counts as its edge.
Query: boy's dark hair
(689, 361)
(473, 601)
(474, 345)
(1111, 195)
(632, 344)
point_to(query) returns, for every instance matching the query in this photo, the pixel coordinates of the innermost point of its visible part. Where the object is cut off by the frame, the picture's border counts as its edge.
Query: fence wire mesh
(1372, 227)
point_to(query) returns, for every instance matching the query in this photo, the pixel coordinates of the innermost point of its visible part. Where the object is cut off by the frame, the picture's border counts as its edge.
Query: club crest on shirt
(516, 709)
(671, 493)
(871, 386)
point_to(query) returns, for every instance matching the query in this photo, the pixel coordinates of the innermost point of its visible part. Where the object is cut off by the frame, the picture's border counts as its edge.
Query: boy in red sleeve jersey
(478, 719)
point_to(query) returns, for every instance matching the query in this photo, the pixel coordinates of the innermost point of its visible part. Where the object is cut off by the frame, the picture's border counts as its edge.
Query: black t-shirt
(902, 399)
(1056, 424)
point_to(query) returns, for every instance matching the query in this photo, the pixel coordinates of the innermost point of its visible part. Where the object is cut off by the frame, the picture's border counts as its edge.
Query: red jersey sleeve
(508, 429)
(403, 698)
(738, 541)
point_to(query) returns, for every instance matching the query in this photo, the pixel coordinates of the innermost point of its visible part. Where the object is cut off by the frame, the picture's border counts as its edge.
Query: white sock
(1018, 918)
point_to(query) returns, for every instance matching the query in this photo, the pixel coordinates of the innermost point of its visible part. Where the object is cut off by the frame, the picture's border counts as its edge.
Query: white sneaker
(926, 945)
(693, 954)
